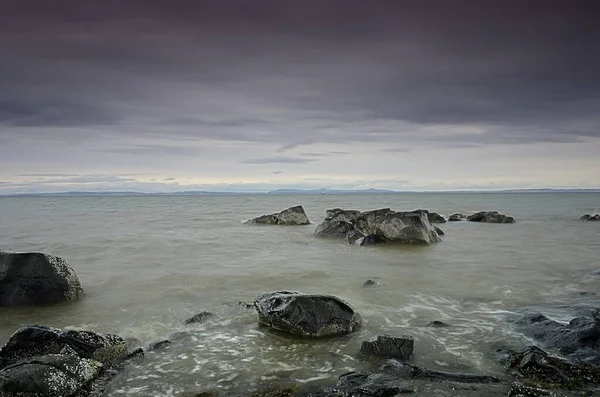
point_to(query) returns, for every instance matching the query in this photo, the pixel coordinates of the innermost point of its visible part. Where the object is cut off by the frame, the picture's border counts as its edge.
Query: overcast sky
(251, 95)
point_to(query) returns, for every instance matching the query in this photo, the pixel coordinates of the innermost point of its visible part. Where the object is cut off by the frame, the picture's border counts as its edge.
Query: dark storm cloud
(300, 72)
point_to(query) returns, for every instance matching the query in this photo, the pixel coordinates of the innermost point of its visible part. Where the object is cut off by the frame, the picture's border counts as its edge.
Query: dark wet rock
(546, 371)
(137, 353)
(438, 230)
(199, 318)
(581, 337)
(290, 216)
(245, 305)
(39, 340)
(395, 378)
(29, 279)
(159, 345)
(437, 324)
(490, 217)
(306, 315)
(387, 346)
(370, 283)
(337, 223)
(590, 217)
(456, 217)
(42, 361)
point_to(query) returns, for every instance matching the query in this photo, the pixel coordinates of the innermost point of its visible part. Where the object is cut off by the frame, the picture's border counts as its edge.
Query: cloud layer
(277, 93)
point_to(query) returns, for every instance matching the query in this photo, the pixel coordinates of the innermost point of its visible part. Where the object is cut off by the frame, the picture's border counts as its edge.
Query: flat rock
(490, 217)
(306, 315)
(387, 346)
(291, 216)
(30, 279)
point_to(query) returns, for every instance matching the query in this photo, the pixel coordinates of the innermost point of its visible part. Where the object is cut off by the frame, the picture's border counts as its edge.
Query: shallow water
(148, 263)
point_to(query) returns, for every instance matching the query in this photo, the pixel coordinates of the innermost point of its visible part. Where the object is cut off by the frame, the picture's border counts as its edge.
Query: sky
(255, 95)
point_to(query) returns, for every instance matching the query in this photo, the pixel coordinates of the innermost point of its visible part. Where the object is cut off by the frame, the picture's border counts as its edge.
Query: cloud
(277, 160)
(154, 150)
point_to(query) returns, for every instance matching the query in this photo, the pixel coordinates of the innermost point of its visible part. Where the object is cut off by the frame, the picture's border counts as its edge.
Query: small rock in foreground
(386, 346)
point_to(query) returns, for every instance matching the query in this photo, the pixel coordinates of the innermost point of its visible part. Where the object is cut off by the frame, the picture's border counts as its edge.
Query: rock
(433, 217)
(159, 345)
(395, 378)
(438, 230)
(537, 367)
(290, 216)
(389, 347)
(400, 227)
(490, 217)
(581, 337)
(43, 361)
(28, 279)
(354, 237)
(245, 305)
(337, 223)
(306, 315)
(590, 217)
(52, 375)
(437, 324)
(370, 283)
(199, 318)
(456, 217)
(39, 340)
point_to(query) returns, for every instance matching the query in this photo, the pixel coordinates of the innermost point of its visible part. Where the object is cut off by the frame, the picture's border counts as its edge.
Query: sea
(147, 263)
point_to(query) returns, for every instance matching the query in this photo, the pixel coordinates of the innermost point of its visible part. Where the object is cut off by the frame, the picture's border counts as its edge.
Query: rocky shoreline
(43, 361)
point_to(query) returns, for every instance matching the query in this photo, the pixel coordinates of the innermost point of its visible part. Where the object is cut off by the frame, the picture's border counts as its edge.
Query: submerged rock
(581, 337)
(291, 216)
(456, 217)
(437, 324)
(386, 346)
(490, 217)
(44, 361)
(199, 318)
(370, 283)
(306, 315)
(590, 217)
(159, 345)
(34, 278)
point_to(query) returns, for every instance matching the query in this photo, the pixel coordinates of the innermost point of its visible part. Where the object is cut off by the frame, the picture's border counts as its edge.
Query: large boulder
(590, 217)
(433, 217)
(580, 337)
(291, 216)
(397, 227)
(490, 217)
(28, 279)
(43, 361)
(306, 315)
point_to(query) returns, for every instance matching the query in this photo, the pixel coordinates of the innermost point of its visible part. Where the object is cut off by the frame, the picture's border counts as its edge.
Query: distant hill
(331, 191)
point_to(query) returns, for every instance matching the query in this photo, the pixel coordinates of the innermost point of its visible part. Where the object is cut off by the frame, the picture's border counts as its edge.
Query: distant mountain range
(289, 192)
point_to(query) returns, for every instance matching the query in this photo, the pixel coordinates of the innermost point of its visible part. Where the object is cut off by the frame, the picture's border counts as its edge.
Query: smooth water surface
(149, 262)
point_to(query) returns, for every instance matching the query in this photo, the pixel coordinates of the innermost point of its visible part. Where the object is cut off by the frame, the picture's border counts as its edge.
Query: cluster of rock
(379, 226)
(590, 217)
(482, 216)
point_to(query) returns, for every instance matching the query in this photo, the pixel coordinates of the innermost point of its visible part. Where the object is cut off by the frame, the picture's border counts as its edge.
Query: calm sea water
(148, 263)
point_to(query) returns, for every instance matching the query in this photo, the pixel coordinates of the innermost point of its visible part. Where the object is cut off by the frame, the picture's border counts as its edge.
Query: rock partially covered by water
(590, 217)
(379, 226)
(387, 346)
(490, 217)
(306, 315)
(433, 217)
(543, 370)
(44, 361)
(456, 217)
(28, 279)
(199, 318)
(291, 216)
(581, 337)
(396, 379)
